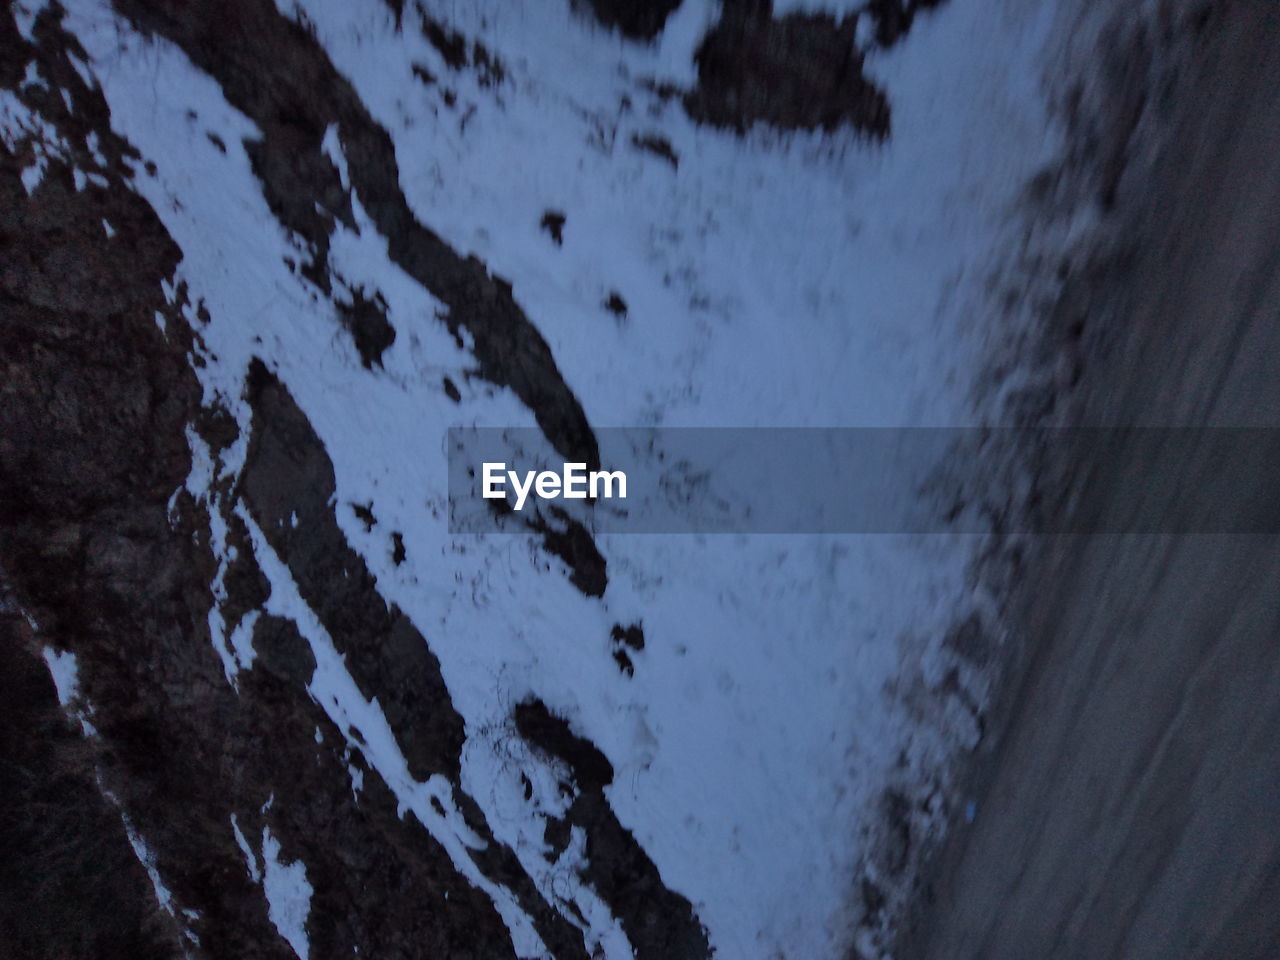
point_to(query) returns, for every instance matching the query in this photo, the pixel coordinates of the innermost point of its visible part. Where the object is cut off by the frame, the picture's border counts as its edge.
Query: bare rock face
(635, 19)
(798, 72)
(59, 833)
(659, 923)
(893, 18)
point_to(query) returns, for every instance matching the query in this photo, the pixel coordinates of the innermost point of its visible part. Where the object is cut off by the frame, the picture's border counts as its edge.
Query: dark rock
(637, 19)
(553, 223)
(658, 145)
(572, 542)
(800, 72)
(287, 483)
(366, 320)
(364, 512)
(893, 18)
(72, 885)
(282, 650)
(970, 640)
(615, 304)
(451, 45)
(660, 924)
(287, 474)
(554, 737)
(632, 636)
(556, 834)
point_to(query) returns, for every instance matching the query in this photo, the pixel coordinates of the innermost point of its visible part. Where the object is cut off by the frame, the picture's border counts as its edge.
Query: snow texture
(65, 673)
(288, 894)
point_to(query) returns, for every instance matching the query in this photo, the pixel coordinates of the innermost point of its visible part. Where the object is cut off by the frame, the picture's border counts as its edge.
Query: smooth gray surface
(1133, 808)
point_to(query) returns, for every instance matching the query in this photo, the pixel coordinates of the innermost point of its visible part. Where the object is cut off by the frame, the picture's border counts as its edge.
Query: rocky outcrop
(660, 924)
(797, 72)
(635, 19)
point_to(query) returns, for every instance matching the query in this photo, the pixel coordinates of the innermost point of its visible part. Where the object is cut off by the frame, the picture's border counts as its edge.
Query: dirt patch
(616, 305)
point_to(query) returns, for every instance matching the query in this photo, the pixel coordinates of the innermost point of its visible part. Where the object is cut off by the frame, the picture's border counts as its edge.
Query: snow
(32, 77)
(65, 673)
(250, 860)
(24, 15)
(288, 894)
(357, 779)
(64, 669)
(794, 280)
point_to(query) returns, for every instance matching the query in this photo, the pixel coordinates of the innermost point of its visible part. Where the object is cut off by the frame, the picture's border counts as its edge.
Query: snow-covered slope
(782, 749)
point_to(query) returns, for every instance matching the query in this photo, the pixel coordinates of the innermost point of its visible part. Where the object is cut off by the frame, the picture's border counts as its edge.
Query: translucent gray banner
(868, 480)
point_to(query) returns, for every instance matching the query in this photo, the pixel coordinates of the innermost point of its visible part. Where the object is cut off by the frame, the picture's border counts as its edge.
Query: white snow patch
(24, 15)
(250, 859)
(32, 77)
(288, 894)
(357, 778)
(65, 673)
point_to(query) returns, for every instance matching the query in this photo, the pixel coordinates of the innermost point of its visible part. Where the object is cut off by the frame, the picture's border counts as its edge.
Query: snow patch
(288, 894)
(250, 859)
(65, 673)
